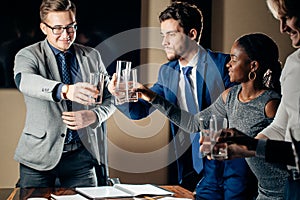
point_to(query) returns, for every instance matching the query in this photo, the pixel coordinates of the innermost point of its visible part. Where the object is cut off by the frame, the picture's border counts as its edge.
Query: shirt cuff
(58, 92)
(155, 100)
(261, 148)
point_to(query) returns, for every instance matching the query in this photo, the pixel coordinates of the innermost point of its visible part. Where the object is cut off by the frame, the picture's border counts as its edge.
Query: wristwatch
(64, 90)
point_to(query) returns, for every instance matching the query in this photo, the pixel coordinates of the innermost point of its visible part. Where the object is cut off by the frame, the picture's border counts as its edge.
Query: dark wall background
(206, 8)
(18, 14)
(108, 16)
(97, 20)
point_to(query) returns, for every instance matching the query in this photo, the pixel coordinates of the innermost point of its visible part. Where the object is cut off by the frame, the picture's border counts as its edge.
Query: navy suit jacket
(212, 79)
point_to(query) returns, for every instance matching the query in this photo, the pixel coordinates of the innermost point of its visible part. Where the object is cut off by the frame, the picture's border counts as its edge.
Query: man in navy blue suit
(181, 28)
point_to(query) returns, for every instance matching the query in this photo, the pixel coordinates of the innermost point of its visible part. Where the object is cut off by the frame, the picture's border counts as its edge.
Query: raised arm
(183, 119)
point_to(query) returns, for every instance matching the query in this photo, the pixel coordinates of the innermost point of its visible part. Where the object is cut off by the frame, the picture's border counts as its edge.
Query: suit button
(63, 135)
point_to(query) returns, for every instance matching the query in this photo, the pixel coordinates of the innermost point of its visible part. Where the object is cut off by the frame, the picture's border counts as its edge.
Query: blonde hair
(290, 8)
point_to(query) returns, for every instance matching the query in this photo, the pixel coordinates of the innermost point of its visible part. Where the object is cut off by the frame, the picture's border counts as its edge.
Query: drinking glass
(97, 79)
(218, 150)
(132, 83)
(205, 134)
(126, 82)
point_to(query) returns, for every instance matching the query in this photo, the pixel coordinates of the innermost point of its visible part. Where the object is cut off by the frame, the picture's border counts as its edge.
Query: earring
(252, 76)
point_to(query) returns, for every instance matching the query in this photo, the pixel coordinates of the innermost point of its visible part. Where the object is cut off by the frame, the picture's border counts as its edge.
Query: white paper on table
(68, 197)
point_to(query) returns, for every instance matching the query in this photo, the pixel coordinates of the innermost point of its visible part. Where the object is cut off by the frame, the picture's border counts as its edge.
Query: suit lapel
(174, 80)
(51, 62)
(200, 77)
(84, 71)
(214, 80)
(53, 69)
(209, 80)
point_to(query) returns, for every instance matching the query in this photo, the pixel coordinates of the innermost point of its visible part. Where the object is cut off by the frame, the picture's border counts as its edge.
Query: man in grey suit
(64, 133)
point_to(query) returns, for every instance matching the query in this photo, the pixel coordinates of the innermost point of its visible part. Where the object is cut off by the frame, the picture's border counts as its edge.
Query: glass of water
(205, 134)
(97, 79)
(218, 150)
(126, 82)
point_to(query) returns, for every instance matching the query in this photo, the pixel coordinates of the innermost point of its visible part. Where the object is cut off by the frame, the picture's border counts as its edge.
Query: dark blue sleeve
(58, 91)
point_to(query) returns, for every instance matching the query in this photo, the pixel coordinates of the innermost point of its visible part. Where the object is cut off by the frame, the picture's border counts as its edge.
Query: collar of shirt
(193, 62)
(74, 64)
(56, 51)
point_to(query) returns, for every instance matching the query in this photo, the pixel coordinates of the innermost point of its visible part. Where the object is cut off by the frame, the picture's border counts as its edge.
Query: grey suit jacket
(36, 74)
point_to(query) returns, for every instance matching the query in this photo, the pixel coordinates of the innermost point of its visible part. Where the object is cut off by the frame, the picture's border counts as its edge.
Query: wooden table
(24, 194)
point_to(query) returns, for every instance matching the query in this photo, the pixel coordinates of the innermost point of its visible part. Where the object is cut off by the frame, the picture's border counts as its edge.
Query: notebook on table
(123, 190)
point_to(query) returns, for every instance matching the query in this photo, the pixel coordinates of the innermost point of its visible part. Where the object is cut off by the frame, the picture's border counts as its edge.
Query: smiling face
(287, 12)
(62, 19)
(175, 42)
(239, 65)
(291, 26)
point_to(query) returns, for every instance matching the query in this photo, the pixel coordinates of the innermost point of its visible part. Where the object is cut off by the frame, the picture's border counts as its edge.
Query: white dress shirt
(181, 87)
(288, 113)
(181, 97)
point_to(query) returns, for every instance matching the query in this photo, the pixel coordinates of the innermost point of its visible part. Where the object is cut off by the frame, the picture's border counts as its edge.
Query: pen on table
(12, 195)
(149, 198)
(153, 197)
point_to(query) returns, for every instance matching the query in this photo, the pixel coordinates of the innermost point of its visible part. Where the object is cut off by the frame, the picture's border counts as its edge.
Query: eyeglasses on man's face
(57, 30)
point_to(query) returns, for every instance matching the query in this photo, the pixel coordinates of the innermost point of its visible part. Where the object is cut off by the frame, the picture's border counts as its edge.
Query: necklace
(251, 97)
